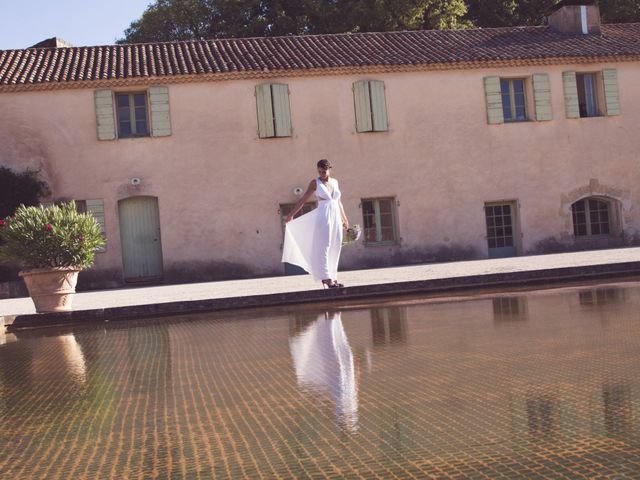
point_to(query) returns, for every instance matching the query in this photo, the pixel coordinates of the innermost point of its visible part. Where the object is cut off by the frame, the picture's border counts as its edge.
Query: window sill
(381, 244)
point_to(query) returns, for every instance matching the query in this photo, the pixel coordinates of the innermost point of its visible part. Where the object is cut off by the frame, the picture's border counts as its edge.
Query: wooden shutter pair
(370, 105)
(274, 114)
(611, 93)
(541, 96)
(158, 106)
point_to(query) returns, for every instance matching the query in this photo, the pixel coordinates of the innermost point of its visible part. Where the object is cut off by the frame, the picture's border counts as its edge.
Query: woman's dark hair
(324, 164)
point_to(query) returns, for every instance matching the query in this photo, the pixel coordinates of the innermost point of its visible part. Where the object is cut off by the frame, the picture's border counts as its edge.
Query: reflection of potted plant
(53, 244)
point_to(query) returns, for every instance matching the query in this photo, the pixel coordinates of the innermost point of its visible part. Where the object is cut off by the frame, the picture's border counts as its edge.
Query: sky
(80, 22)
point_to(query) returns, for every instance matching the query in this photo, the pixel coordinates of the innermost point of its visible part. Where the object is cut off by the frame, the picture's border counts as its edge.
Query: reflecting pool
(541, 384)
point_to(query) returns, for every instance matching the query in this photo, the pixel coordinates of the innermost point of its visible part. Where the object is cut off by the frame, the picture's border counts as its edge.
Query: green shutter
(493, 97)
(160, 118)
(96, 208)
(542, 96)
(105, 119)
(570, 86)
(281, 110)
(265, 111)
(378, 105)
(362, 102)
(611, 93)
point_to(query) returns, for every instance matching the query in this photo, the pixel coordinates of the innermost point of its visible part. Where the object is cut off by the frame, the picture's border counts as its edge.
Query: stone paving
(394, 276)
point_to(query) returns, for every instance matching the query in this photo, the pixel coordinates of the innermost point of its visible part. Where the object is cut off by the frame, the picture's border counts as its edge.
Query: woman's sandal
(331, 284)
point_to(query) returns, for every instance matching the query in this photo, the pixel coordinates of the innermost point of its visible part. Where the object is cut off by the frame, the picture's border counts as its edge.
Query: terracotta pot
(51, 289)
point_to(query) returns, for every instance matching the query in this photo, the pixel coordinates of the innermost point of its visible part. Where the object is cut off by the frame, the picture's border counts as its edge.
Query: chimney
(576, 17)
(54, 42)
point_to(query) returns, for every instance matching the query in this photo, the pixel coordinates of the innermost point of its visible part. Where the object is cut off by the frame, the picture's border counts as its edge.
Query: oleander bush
(55, 236)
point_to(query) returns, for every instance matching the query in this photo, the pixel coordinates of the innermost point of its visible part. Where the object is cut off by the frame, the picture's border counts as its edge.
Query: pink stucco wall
(219, 186)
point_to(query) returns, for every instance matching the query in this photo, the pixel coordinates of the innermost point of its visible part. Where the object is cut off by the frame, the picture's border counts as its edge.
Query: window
(370, 106)
(132, 115)
(389, 325)
(513, 99)
(587, 94)
(285, 209)
(501, 224)
(274, 115)
(379, 221)
(591, 216)
(591, 94)
(137, 114)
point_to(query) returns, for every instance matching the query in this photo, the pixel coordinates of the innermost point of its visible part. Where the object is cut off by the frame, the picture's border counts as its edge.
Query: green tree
(168, 20)
(505, 13)
(620, 11)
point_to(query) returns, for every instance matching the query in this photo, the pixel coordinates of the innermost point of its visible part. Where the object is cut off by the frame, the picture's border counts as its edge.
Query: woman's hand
(345, 223)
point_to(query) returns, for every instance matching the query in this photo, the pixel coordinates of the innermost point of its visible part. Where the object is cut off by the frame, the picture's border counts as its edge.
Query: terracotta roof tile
(276, 54)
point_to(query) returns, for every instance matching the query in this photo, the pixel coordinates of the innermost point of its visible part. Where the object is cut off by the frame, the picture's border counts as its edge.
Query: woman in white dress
(313, 241)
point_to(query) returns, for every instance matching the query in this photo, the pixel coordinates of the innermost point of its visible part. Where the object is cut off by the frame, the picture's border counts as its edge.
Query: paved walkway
(288, 289)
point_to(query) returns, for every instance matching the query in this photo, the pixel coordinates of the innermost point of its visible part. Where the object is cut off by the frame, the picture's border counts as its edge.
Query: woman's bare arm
(310, 189)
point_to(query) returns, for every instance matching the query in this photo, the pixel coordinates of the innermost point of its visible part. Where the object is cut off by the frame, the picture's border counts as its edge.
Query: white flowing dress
(313, 240)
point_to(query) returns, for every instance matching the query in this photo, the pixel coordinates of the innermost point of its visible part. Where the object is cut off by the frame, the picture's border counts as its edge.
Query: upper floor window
(378, 215)
(370, 106)
(586, 84)
(591, 94)
(274, 114)
(132, 115)
(510, 100)
(513, 99)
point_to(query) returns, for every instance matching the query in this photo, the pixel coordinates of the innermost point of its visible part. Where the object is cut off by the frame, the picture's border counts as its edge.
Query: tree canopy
(169, 20)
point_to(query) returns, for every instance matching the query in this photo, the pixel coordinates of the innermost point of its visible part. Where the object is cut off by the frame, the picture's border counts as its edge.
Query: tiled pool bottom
(539, 385)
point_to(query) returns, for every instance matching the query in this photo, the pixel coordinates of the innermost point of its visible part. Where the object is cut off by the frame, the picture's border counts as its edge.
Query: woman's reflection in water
(324, 362)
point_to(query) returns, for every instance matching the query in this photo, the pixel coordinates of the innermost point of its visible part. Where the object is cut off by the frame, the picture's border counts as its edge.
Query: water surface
(535, 385)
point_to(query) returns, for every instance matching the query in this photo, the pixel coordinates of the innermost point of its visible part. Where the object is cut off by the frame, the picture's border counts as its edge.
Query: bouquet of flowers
(352, 234)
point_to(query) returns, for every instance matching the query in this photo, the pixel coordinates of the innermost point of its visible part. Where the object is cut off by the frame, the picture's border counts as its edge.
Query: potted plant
(52, 244)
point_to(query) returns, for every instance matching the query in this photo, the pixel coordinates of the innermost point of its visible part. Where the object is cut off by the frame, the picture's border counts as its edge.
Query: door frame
(515, 225)
(142, 279)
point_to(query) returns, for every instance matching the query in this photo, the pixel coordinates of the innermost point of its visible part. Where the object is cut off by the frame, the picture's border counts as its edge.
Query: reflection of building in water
(509, 309)
(616, 402)
(542, 415)
(323, 362)
(601, 296)
(389, 325)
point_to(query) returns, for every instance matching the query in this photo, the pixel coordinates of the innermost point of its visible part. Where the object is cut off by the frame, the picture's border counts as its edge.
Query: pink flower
(2, 223)
(48, 227)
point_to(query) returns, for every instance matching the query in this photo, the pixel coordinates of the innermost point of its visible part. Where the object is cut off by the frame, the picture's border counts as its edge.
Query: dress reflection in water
(324, 362)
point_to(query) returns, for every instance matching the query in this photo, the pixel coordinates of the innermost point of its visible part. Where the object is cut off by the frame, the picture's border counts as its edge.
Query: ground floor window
(591, 216)
(500, 220)
(285, 209)
(378, 218)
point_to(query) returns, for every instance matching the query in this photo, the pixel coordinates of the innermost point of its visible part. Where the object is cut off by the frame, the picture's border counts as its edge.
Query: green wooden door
(140, 238)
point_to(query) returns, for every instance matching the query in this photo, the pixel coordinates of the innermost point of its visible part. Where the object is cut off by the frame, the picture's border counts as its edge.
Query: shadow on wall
(553, 245)
(379, 257)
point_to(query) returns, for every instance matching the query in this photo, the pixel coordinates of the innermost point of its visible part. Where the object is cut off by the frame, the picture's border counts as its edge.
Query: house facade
(447, 144)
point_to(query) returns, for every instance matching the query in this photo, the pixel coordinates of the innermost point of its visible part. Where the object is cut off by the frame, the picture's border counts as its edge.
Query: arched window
(592, 216)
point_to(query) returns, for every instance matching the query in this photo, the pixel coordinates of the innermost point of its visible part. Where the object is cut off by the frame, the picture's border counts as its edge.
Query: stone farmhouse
(447, 144)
